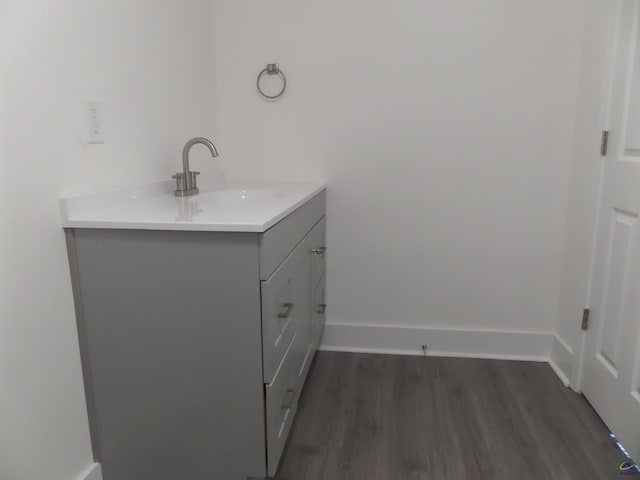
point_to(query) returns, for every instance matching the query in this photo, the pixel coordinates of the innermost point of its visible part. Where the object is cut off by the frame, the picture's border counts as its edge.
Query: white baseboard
(402, 340)
(93, 472)
(561, 359)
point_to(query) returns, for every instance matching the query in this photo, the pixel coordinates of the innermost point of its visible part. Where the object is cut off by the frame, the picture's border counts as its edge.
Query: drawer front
(279, 311)
(318, 249)
(318, 314)
(281, 404)
(277, 242)
(308, 352)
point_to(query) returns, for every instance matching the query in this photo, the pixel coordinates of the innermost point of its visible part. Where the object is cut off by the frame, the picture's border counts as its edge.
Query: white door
(611, 378)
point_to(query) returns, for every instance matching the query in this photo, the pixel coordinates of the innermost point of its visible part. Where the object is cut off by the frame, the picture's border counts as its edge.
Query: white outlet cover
(95, 130)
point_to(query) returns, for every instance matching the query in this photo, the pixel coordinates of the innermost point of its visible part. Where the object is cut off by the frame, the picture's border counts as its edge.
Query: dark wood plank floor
(388, 417)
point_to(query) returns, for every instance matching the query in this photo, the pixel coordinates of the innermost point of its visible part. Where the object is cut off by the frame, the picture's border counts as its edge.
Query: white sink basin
(233, 207)
(241, 197)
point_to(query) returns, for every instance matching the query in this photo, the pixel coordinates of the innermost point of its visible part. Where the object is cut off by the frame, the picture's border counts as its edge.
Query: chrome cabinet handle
(319, 250)
(291, 395)
(322, 307)
(287, 312)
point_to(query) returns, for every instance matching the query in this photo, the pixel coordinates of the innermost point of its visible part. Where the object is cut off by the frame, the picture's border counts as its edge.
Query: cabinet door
(311, 274)
(318, 250)
(319, 307)
(302, 348)
(317, 282)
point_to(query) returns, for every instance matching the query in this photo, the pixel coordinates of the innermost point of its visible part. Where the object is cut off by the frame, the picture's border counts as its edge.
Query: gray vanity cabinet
(196, 345)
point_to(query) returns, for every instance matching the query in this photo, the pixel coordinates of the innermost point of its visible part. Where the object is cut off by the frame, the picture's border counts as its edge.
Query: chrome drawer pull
(322, 307)
(319, 250)
(288, 403)
(287, 313)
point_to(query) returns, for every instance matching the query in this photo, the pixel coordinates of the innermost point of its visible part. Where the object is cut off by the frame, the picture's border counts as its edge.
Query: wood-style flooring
(389, 417)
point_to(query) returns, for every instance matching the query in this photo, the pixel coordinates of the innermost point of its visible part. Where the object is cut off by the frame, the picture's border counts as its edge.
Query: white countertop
(230, 207)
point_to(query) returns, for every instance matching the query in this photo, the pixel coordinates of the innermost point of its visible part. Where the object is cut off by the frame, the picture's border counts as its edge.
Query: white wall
(444, 130)
(149, 63)
(591, 119)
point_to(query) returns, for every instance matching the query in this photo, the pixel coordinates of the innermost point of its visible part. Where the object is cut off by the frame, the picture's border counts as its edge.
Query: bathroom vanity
(198, 319)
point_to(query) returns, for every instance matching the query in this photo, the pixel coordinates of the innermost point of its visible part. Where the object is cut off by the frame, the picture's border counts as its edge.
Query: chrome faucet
(186, 180)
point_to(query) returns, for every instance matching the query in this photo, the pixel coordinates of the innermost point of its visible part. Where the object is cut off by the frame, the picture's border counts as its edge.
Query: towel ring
(272, 69)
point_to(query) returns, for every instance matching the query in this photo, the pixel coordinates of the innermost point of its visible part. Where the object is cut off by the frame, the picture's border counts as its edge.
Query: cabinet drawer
(286, 307)
(278, 315)
(277, 242)
(281, 404)
(303, 365)
(318, 248)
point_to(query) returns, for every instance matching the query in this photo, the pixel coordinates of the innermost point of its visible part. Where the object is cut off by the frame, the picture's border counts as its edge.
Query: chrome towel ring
(272, 69)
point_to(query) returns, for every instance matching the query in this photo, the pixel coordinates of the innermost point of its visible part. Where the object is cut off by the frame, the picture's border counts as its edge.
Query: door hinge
(585, 319)
(604, 143)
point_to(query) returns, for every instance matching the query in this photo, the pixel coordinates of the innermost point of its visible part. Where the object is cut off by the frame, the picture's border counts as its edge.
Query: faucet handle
(181, 184)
